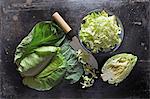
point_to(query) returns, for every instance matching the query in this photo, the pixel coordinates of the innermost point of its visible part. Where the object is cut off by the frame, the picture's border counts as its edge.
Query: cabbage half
(100, 32)
(118, 67)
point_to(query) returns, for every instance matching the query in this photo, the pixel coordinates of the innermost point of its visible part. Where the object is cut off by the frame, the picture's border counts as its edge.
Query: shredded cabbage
(100, 32)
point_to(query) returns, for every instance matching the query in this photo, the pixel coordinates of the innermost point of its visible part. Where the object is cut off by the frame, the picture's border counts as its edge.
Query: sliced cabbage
(100, 32)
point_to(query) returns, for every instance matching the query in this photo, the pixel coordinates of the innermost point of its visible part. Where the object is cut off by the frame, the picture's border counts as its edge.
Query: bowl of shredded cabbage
(101, 32)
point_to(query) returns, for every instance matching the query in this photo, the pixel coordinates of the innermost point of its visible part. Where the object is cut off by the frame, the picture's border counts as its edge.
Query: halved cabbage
(118, 67)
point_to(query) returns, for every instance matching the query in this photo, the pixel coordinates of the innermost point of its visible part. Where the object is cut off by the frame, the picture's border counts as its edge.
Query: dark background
(19, 16)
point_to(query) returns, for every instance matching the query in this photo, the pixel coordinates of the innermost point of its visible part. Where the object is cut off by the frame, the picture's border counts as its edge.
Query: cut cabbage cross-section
(118, 67)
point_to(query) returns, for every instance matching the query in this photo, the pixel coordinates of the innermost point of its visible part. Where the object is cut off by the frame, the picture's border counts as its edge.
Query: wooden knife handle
(61, 22)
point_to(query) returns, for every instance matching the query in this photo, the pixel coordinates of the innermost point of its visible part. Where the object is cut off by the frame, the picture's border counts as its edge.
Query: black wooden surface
(19, 16)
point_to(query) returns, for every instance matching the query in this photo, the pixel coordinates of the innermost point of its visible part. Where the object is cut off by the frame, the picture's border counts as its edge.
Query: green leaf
(74, 69)
(73, 74)
(118, 67)
(57, 62)
(45, 83)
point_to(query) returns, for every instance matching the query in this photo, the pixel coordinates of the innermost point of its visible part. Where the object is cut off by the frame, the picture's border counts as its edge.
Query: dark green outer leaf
(74, 69)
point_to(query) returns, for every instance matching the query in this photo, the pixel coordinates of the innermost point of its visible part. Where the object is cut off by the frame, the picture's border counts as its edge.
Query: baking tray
(19, 16)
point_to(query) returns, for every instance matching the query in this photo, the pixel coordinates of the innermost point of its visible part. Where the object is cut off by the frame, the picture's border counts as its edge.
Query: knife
(75, 43)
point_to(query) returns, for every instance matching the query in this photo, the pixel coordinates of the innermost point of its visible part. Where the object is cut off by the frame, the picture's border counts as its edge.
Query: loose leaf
(74, 69)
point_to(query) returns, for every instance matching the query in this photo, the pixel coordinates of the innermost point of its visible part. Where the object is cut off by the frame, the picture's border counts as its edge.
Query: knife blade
(75, 44)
